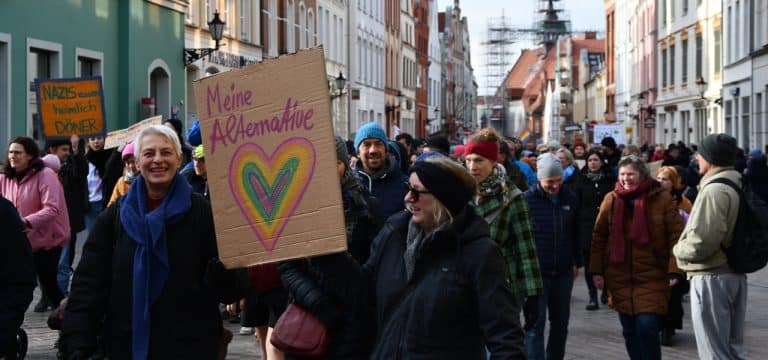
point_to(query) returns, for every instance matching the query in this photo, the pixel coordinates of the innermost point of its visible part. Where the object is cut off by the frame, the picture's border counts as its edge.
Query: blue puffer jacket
(387, 187)
(555, 228)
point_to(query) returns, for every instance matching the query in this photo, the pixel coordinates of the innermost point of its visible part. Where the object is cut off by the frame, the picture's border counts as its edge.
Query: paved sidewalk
(592, 334)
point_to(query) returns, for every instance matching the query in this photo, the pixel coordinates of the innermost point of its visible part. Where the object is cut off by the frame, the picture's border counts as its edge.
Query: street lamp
(216, 28)
(340, 83)
(701, 86)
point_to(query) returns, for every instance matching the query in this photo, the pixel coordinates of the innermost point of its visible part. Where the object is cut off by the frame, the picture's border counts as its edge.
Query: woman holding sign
(436, 285)
(149, 268)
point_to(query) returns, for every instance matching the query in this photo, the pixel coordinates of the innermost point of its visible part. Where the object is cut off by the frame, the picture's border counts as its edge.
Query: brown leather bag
(300, 333)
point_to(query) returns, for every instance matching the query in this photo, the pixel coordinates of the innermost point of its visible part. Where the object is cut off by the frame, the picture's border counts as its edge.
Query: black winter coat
(329, 298)
(459, 304)
(590, 195)
(74, 179)
(17, 275)
(185, 319)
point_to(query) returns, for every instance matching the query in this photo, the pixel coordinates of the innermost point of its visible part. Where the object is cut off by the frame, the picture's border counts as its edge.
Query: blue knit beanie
(370, 130)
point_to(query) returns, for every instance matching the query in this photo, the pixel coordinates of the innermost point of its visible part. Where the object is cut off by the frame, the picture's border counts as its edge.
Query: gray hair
(161, 130)
(636, 162)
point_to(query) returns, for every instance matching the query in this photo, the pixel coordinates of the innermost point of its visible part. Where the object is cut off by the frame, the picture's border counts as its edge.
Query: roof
(523, 71)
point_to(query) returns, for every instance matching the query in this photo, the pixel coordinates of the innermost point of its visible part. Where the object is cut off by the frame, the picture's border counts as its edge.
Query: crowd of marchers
(453, 251)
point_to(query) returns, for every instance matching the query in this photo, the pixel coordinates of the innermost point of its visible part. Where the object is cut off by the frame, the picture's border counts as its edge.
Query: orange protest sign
(69, 107)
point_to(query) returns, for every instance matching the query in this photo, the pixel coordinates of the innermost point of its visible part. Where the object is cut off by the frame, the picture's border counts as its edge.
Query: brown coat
(640, 284)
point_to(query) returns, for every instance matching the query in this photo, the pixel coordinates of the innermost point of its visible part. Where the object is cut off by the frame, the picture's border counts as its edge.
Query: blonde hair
(485, 135)
(568, 154)
(671, 173)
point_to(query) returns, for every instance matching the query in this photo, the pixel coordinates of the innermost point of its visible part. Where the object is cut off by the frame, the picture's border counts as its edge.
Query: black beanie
(719, 149)
(445, 186)
(608, 142)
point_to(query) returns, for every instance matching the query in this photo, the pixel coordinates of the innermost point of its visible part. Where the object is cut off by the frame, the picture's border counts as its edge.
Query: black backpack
(748, 251)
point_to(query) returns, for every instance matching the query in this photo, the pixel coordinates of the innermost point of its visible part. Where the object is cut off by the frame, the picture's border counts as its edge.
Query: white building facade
(760, 74)
(366, 66)
(434, 85)
(624, 55)
(737, 70)
(242, 36)
(689, 70)
(333, 34)
(409, 67)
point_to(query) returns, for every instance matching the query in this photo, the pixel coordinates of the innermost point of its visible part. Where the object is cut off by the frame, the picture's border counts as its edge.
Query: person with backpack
(718, 292)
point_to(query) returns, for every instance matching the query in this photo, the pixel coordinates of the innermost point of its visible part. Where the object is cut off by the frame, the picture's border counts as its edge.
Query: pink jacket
(39, 198)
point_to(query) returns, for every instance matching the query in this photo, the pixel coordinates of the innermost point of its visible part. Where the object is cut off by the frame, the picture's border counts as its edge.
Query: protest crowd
(454, 251)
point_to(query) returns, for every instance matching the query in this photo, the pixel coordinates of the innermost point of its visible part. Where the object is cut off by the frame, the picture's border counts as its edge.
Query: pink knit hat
(52, 161)
(128, 150)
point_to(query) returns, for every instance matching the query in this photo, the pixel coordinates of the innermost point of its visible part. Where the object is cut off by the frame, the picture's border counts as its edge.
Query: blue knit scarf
(150, 261)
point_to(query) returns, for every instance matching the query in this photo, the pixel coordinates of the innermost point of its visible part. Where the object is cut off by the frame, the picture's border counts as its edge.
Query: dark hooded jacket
(185, 320)
(456, 304)
(17, 275)
(591, 194)
(387, 187)
(328, 298)
(555, 229)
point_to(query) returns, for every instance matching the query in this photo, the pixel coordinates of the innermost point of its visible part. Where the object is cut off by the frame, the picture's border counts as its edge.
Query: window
(43, 62)
(311, 35)
(193, 12)
(226, 16)
(729, 30)
(684, 62)
(663, 12)
(744, 138)
(699, 58)
(302, 26)
(718, 50)
(320, 26)
(5, 88)
(245, 12)
(685, 7)
(663, 68)
(88, 63)
(672, 65)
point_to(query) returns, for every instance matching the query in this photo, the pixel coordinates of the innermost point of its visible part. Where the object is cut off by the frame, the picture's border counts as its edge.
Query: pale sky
(584, 15)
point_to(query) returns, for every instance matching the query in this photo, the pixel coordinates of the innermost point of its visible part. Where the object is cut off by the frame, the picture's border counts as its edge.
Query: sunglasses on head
(414, 192)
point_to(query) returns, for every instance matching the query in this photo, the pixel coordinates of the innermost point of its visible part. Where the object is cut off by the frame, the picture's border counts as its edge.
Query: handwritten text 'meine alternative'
(233, 127)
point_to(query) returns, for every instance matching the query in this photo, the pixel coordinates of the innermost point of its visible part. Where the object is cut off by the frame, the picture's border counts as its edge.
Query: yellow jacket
(121, 188)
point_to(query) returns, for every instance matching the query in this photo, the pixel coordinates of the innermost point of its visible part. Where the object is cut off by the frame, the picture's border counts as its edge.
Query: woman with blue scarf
(149, 269)
(571, 172)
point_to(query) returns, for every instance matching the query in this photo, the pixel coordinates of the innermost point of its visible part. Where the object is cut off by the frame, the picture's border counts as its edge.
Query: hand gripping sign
(271, 160)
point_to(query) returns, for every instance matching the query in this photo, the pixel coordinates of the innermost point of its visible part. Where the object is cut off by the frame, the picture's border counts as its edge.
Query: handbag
(298, 332)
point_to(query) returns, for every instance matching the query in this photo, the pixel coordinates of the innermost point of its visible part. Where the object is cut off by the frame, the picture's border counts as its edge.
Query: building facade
(135, 46)
(421, 13)
(689, 70)
(366, 67)
(435, 81)
(760, 74)
(333, 34)
(408, 60)
(394, 65)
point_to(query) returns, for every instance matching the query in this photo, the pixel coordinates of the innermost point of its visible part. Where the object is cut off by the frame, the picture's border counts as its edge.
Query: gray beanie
(547, 166)
(718, 149)
(341, 149)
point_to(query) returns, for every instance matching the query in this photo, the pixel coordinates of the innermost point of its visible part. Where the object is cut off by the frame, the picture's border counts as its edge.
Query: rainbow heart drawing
(268, 189)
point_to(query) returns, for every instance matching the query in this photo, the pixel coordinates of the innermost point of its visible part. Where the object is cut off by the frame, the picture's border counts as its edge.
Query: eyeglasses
(414, 192)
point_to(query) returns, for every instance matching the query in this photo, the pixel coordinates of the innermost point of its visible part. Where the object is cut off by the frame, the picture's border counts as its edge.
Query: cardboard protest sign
(118, 138)
(69, 107)
(271, 160)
